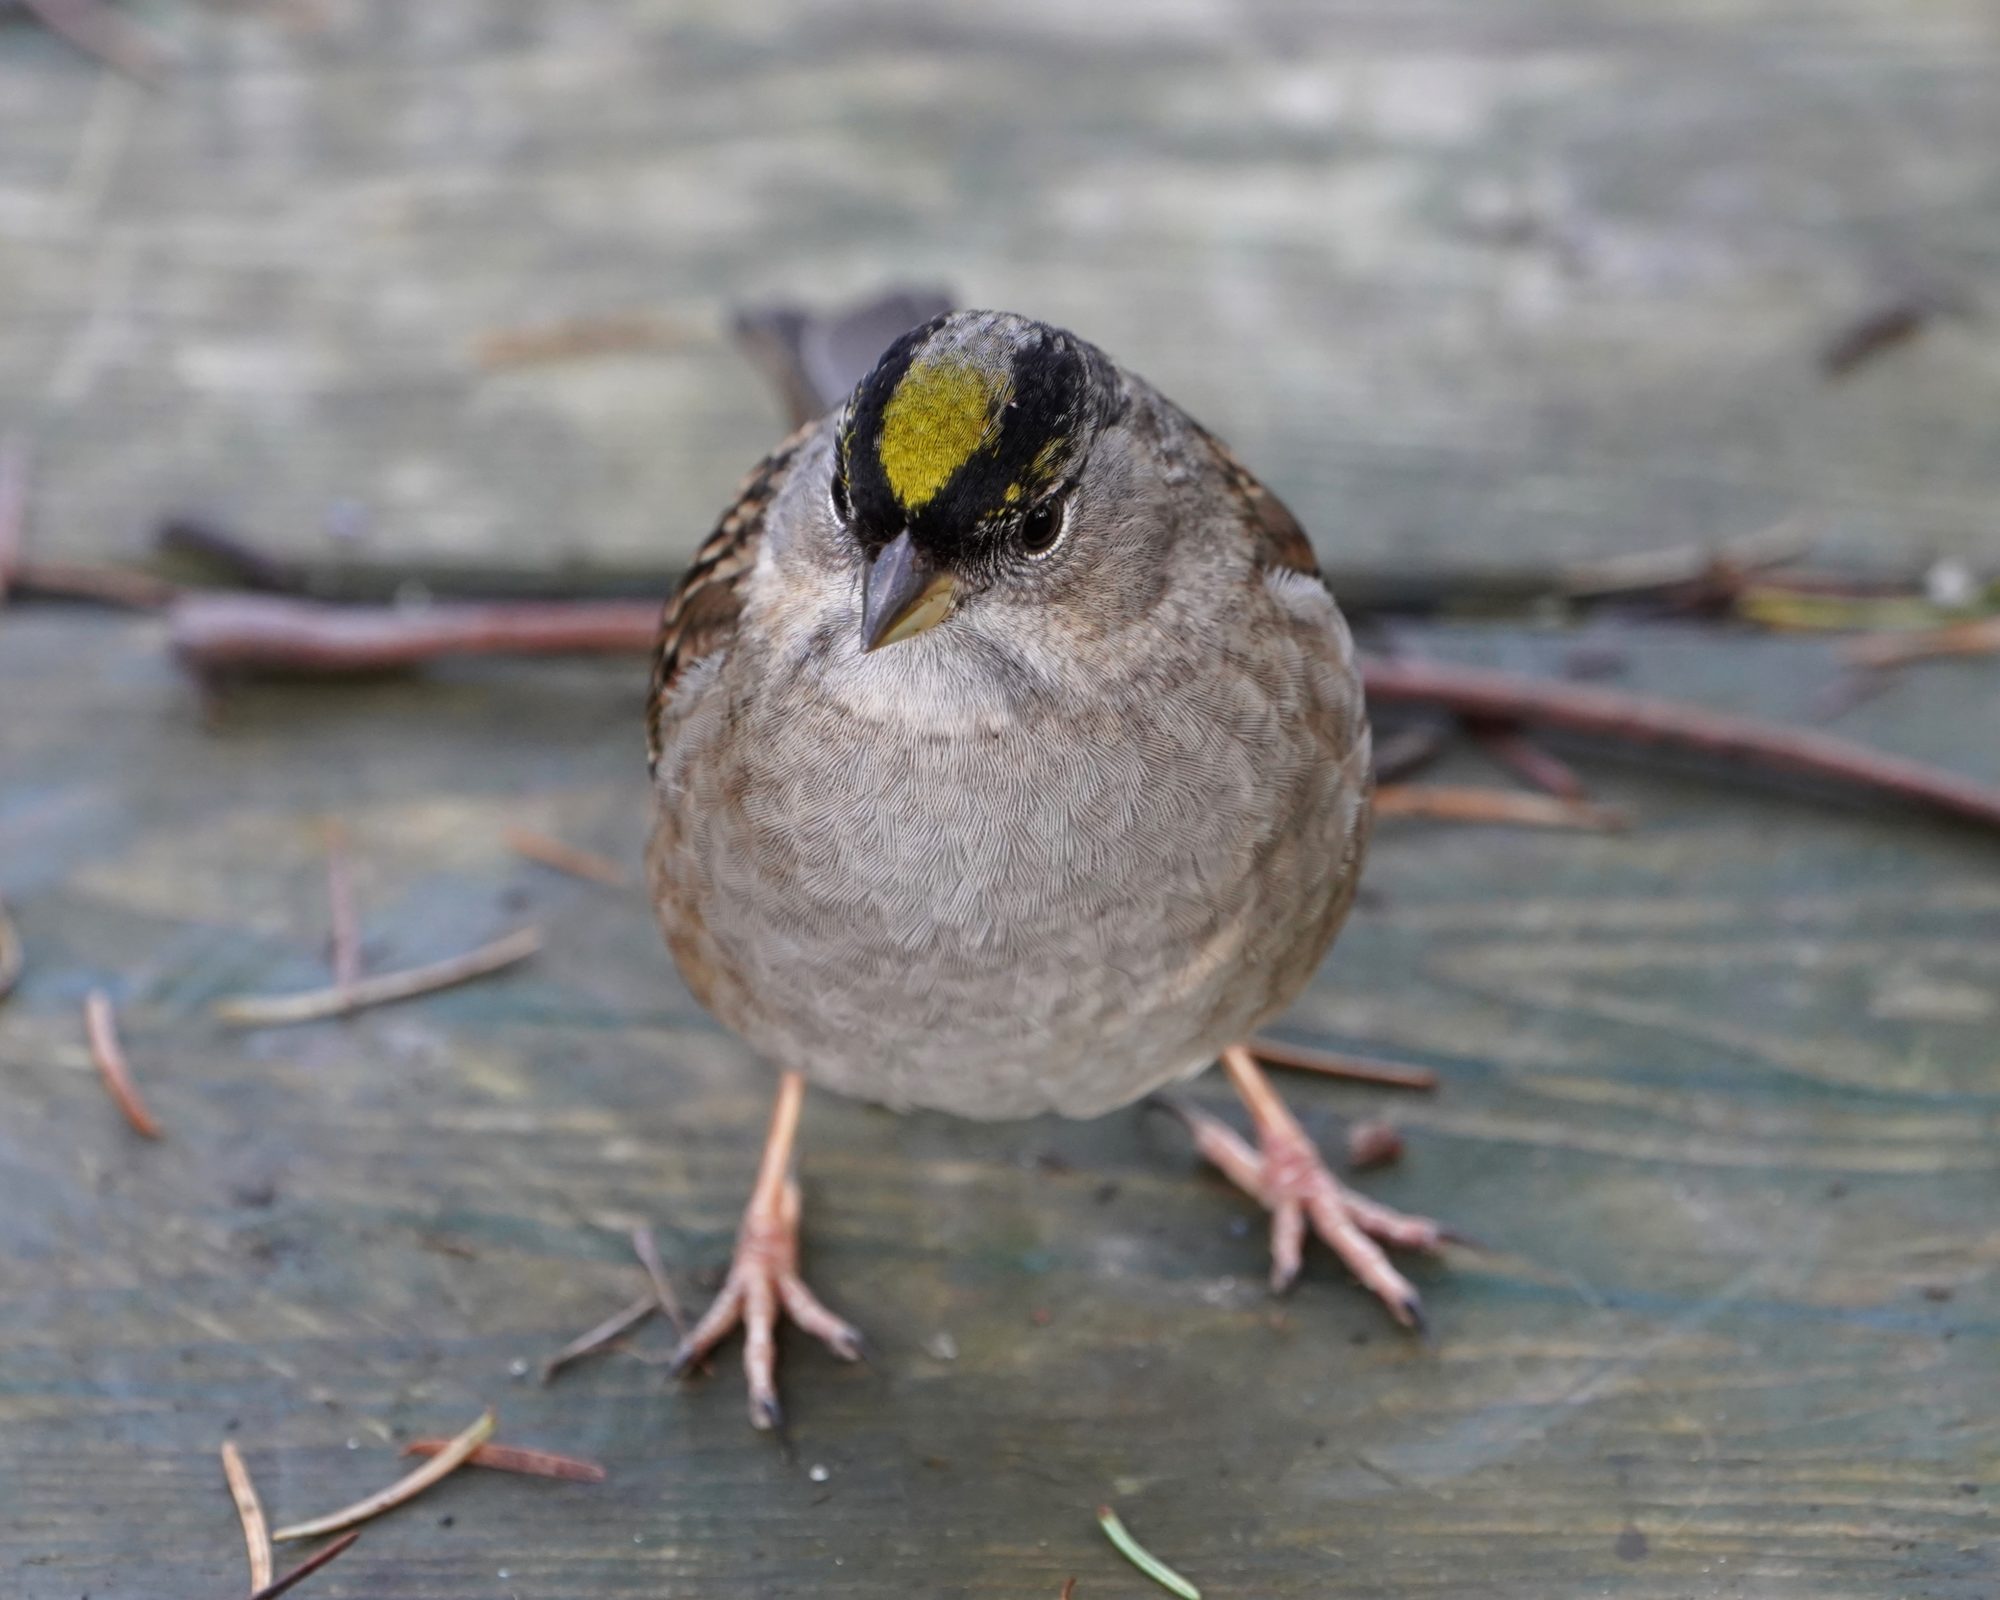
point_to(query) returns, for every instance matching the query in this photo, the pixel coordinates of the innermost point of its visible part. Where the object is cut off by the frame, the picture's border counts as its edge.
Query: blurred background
(1485, 288)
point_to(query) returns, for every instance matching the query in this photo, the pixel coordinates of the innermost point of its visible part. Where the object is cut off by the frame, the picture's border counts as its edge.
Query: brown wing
(1281, 544)
(1281, 541)
(700, 617)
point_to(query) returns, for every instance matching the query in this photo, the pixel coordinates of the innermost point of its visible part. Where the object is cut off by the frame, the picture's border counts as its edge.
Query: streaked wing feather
(700, 615)
(1281, 541)
(1282, 545)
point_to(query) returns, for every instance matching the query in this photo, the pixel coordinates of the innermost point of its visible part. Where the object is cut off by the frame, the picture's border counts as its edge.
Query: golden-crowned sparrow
(1010, 757)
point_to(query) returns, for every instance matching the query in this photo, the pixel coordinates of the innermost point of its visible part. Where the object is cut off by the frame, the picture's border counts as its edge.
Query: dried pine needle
(573, 859)
(442, 1465)
(251, 1011)
(305, 1569)
(1142, 1558)
(256, 1531)
(648, 1251)
(601, 1335)
(1447, 803)
(100, 1026)
(1537, 768)
(343, 920)
(1333, 1064)
(1978, 637)
(511, 1458)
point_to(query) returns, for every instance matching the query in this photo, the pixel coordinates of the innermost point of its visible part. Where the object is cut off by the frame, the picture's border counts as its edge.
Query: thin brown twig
(13, 955)
(256, 1531)
(100, 1026)
(105, 35)
(246, 631)
(512, 1458)
(1407, 751)
(1978, 637)
(1635, 719)
(344, 923)
(305, 1569)
(1358, 1069)
(598, 1337)
(1068, 1589)
(648, 1251)
(262, 1011)
(403, 1490)
(564, 857)
(127, 588)
(1505, 807)
(1514, 750)
(1689, 566)
(211, 632)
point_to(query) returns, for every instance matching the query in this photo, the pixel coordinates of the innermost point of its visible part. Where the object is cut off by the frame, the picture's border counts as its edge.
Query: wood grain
(1719, 1094)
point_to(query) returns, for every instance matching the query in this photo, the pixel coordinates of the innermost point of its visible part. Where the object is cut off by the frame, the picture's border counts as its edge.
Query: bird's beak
(905, 594)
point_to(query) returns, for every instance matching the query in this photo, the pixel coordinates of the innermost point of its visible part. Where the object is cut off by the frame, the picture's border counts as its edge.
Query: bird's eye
(1042, 528)
(836, 497)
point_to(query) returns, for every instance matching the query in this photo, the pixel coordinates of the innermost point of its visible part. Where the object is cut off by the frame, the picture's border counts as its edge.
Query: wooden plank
(1482, 286)
(1720, 1095)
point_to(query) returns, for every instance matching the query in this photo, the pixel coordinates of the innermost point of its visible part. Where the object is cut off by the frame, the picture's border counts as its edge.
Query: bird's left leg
(1288, 1177)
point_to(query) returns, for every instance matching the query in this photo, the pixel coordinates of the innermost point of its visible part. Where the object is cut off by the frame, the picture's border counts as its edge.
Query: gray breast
(1058, 909)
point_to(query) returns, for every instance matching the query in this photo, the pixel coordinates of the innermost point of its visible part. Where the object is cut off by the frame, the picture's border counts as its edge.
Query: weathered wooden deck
(1483, 287)
(1720, 1095)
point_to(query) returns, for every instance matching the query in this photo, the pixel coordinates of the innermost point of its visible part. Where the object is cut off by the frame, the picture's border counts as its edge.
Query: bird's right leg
(764, 1276)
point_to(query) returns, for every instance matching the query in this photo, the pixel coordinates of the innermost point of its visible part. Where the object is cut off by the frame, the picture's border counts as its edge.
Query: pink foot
(763, 1278)
(1288, 1177)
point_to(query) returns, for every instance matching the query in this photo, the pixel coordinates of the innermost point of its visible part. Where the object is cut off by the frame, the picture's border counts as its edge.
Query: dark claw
(853, 1347)
(1414, 1319)
(770, 1417)
(1173, 1106)
(682, 1359)
(1455, 1236)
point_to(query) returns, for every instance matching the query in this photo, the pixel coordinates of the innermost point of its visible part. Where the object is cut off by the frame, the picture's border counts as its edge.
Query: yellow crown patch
(941, 415)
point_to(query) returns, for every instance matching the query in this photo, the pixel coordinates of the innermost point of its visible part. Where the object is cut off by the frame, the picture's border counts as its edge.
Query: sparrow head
(956, 458)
